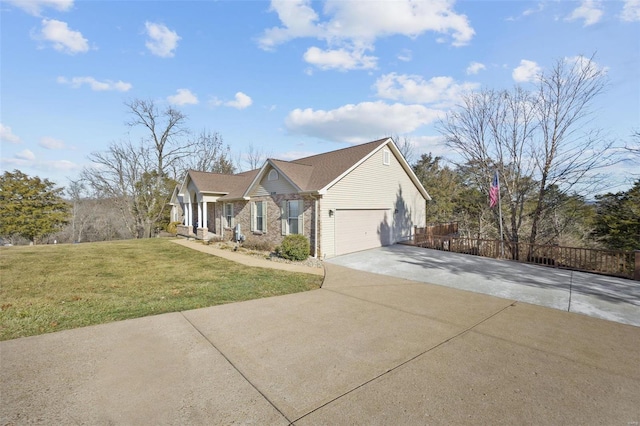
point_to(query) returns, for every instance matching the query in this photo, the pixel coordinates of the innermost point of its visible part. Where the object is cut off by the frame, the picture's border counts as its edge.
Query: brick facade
(273, 236)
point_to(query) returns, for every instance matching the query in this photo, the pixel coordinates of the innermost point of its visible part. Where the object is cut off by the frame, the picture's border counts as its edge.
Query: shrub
(294, 247)
(172, 227)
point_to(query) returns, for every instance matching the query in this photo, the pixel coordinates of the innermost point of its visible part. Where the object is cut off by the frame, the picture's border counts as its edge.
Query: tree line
(539, 141)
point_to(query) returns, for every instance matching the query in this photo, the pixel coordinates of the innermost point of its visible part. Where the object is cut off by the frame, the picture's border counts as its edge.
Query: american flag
(494, 191)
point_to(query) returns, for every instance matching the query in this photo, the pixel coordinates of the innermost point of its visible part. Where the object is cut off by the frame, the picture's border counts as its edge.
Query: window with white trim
(292, 217)
(228, 215)
(386, 157)
(259, 216)
(273, 175)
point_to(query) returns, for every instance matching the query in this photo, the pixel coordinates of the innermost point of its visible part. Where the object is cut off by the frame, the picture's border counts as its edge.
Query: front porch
(200, 220)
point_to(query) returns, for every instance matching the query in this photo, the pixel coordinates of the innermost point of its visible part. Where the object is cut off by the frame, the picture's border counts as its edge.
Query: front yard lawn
(58, 287)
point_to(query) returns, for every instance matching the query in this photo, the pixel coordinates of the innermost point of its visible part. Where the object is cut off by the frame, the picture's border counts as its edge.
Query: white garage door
(362, 229)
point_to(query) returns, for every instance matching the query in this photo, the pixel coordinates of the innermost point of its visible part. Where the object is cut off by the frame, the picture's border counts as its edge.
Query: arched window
(273, 175)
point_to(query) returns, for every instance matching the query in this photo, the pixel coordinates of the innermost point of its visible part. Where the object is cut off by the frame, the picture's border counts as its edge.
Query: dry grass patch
(57, 287)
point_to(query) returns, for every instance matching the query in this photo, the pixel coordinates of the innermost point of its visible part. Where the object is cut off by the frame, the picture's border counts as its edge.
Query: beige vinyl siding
(267, 187)
(373, 185)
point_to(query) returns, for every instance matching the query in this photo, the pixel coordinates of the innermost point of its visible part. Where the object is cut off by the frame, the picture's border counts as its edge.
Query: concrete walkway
(364, 349)
(246, 259)
(614, 299)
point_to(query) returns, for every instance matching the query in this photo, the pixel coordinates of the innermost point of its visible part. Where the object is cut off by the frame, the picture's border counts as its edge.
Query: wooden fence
(440, 228)
(617, 263)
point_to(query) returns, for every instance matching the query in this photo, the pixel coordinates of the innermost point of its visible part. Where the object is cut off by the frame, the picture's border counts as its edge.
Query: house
(176, 204)
(343, 201)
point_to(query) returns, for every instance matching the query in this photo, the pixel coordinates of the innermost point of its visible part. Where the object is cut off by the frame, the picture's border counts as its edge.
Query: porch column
(199, 215)
(187, 213)
(205, 221)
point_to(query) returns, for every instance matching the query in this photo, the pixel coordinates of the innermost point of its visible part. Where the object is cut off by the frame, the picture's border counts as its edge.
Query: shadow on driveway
(606, 297)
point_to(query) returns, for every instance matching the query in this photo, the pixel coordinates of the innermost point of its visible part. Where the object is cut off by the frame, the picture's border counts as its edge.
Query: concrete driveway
(614, 299)
(365, 349)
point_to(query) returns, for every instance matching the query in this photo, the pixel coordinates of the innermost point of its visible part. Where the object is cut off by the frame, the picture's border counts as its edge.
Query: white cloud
(51, 143)
(539, 8)
(214, 101)
(183, 97)
(340, 59)
(25, 155)
(440, 91)
(294, 155)
(584, 65)
(7, 135)
(631, 11)
(35, 7)
(436, 145)
(98, 86)
(361, 122)
(475, 68)
(61, 165)
(26, 159)
(241, 101)
(527, 12)
(162, 41)
(405, 55)
(526, 71)
(63, 39)
(298, 19)
(364, 22)
(589, 10)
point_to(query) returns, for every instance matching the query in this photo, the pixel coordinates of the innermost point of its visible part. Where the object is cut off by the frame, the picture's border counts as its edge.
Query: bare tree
(537, 140)
(406, 147)
(634, 147)
(208, 154)
(166, 133)
(568, 151)
(139, 178)
(493, 130)
(255, 157)
(114, 176)
(81, 211)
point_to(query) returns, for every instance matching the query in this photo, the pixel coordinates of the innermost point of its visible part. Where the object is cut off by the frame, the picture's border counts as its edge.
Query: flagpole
(500, 214)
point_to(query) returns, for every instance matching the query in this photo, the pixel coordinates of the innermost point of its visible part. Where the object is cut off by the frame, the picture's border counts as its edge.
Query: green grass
(58, 287)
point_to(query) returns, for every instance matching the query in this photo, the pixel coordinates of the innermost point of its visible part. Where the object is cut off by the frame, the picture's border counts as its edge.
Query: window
(273, 175)
(292, 217)
(259, 216)
(294, 213)
(228, 215)
(386, 157)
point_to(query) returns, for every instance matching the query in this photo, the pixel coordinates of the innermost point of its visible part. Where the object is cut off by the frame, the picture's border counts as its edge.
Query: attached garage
(362, 229)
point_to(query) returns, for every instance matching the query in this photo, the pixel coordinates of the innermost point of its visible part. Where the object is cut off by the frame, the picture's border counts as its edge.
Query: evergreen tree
(618, 219)
(30, 207)
(441, 183)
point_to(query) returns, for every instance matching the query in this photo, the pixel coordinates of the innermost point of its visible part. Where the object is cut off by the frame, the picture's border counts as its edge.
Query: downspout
(315, 229)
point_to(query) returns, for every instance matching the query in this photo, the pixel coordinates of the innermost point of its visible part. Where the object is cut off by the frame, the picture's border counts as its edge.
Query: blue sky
(293, 77)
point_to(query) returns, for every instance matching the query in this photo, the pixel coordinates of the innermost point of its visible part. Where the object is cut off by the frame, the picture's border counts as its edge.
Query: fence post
(636, 272)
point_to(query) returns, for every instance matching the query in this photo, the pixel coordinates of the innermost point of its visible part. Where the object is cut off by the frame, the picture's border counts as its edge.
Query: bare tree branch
(406, 147)
(209, 154)
(538, 141)
(255, 157)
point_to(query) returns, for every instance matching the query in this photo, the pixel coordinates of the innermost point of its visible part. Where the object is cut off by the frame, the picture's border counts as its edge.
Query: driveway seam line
(408, 361)
(395, 308)
(236, 368)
